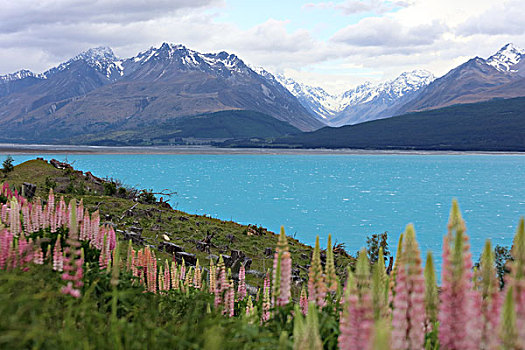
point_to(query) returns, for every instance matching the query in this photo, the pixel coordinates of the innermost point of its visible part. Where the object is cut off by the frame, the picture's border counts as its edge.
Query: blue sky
(335, 44)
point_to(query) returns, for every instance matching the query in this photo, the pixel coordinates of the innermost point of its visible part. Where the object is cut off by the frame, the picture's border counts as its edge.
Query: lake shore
(14, 149)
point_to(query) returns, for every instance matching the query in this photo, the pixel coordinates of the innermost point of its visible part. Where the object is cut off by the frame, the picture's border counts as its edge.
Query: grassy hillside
(497, 125)
(134, 211)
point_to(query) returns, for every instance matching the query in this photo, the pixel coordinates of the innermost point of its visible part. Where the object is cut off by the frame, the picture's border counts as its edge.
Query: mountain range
(501, 75)
(96, 93)
(157, 96)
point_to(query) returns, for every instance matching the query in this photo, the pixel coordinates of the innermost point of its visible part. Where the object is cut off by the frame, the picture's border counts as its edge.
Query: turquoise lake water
(349, 196)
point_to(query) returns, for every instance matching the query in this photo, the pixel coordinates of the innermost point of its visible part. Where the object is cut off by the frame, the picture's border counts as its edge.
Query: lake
(349, 196)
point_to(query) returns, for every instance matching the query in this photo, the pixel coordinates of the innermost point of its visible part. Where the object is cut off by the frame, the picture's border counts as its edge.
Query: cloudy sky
(334, 44)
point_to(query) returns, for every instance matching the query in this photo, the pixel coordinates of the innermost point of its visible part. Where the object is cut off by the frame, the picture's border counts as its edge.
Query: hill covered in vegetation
(496, 125)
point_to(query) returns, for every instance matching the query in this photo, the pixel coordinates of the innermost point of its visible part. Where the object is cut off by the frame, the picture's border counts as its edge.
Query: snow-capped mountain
(316, 99)
(337, 109)
(185, 59)
(507, 58)
(21, 74)
(500, 76)
(96, 92)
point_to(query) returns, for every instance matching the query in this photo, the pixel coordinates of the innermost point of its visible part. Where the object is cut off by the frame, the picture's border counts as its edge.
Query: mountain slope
(210, 126)
(474, 81)
(95, 92)
(497, 125)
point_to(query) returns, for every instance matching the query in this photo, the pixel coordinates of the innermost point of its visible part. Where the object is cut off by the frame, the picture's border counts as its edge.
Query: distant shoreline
(18, 149)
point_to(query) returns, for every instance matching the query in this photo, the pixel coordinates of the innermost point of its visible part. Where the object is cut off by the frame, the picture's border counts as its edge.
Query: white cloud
(389, 33)
(351, 7)
(433, 34)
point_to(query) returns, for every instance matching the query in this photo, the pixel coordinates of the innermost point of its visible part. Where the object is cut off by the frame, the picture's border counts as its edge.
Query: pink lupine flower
(6, 242)
(27, 219)
(182, 274)
(62, 213)
(316, 282)
(73, 266)
(14, 217)
(70, 290)
(222, 284)
(516, 281)
(241, 289)
(266, 304)
(357, 316)
(459, 315)
(4, 212)
(303, 302)
(197, 276)
(95, 224)
(38, 257)
(229, 301)
(408, 317)
(58, 256)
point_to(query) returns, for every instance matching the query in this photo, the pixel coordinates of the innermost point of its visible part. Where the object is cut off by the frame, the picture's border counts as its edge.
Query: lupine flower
(38, 257)
(14, 217)
(357, 318)
(517, 279)
(73, 270)
(408, 318)
(6, 242)
(508, 330)
(282, 272)
(175, 282)
(212, 278)
(393, 274)
(250, 310)
(332, 282)
(459, 326)
(266, 302)
(103, 260)
(151, 270)
(188, 281)
(303, 302)
(306, 330)
(229, 301)
(73, 224)
(431, 294)
(490, 298)
(161, 279)
(241, 289)
(58, 257)
(316, 283)
(182, 273)
(167, 277)
(69, 289)
(380, 284)
(222, 284)
(197, 276)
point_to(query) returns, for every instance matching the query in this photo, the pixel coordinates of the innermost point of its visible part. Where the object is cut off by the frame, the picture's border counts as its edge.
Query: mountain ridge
(95, 92)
